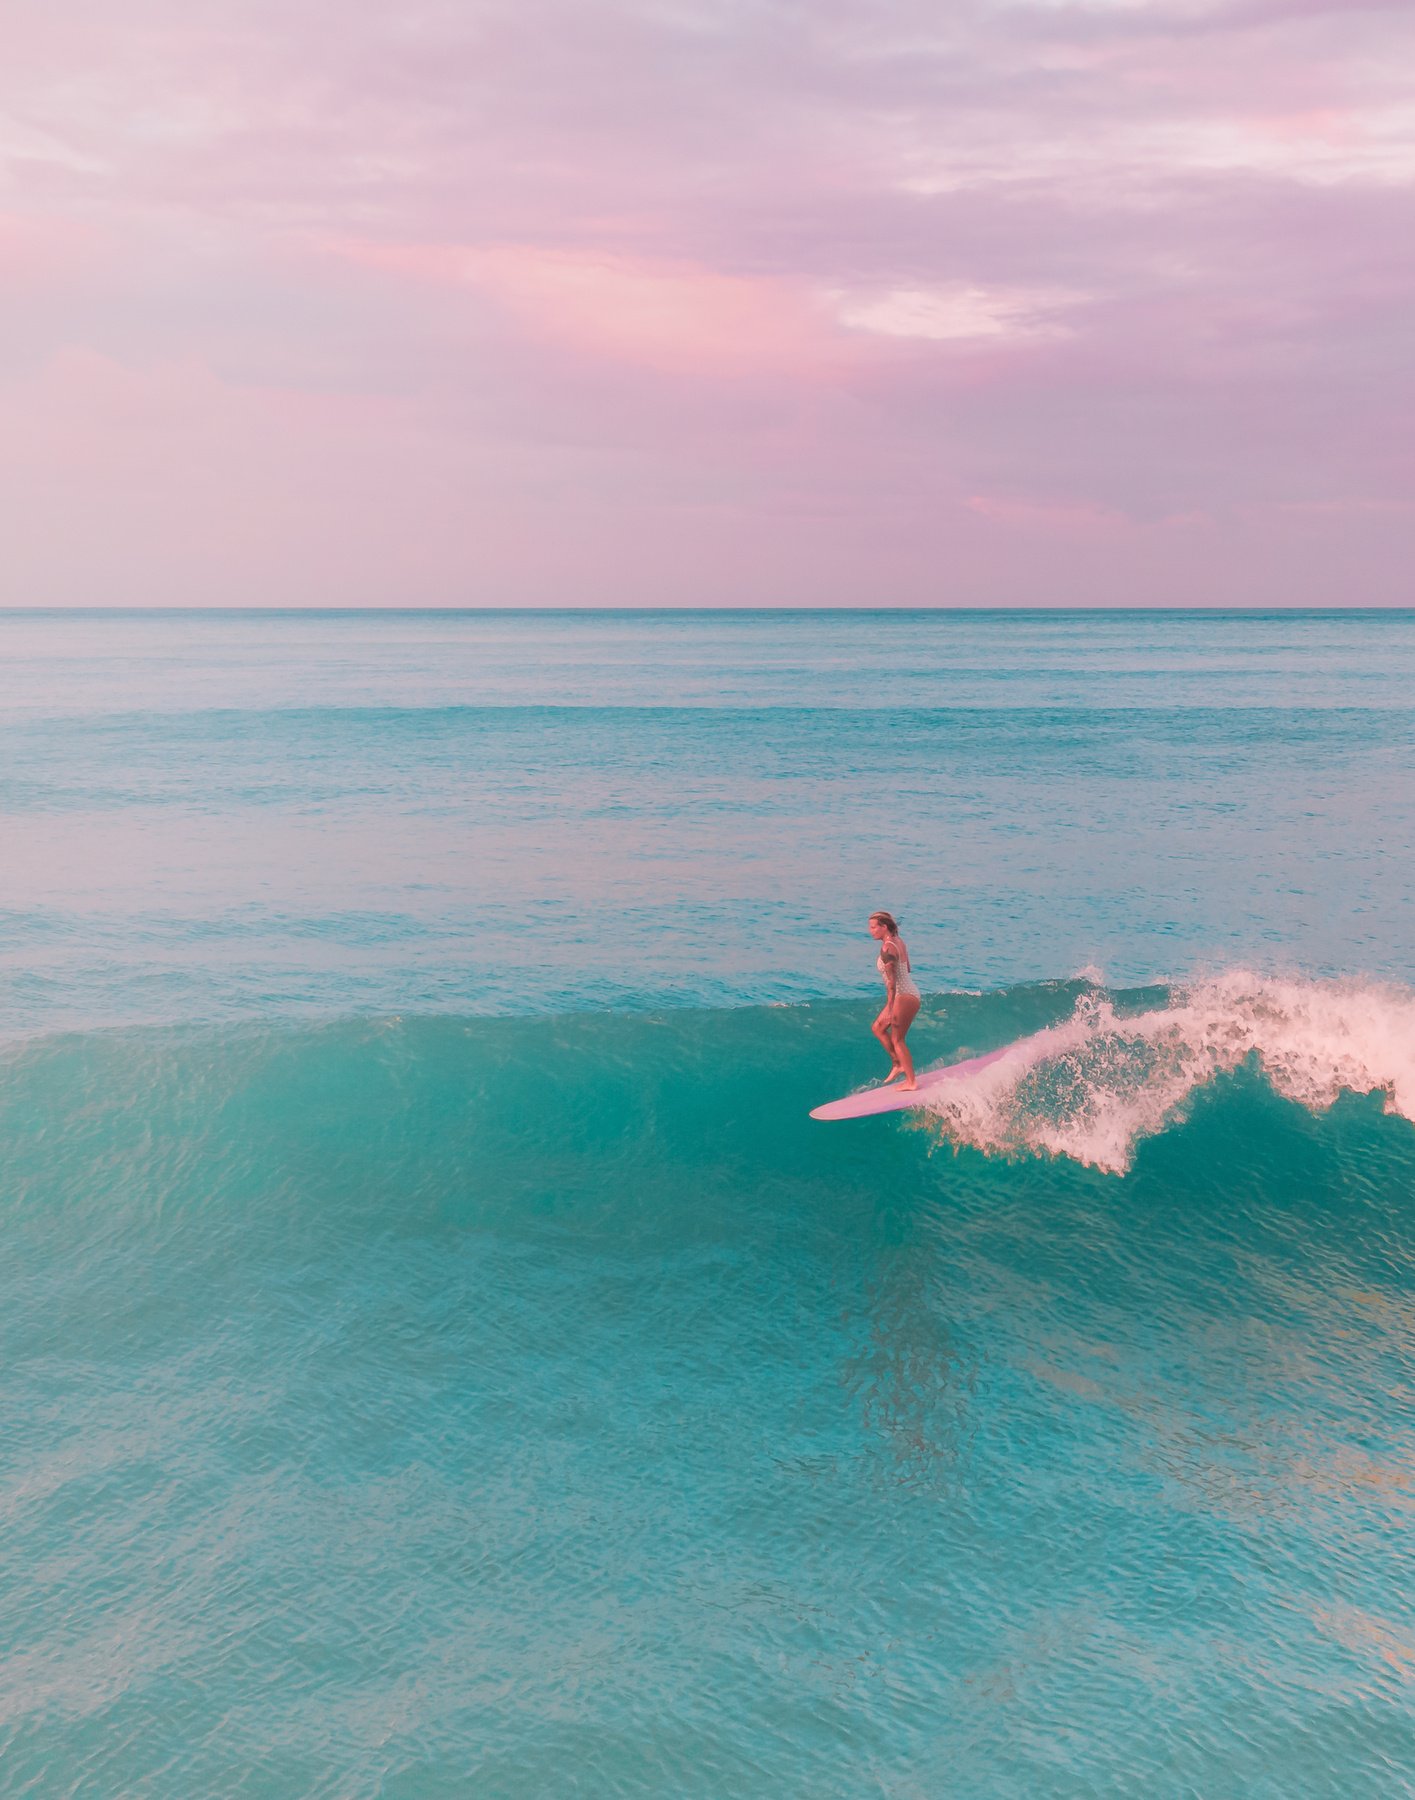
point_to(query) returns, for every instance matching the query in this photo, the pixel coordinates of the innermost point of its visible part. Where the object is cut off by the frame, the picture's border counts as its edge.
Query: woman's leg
(883, 1031)
(906, 1009)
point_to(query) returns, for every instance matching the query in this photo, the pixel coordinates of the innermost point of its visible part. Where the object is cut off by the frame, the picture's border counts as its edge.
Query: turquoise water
(439, 1356)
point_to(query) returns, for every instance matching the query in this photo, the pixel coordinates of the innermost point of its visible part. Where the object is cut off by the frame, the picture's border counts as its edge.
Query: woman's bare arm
(890, 959)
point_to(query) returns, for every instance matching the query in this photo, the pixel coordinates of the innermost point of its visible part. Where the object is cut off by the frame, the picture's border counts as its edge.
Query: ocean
(439, 1356)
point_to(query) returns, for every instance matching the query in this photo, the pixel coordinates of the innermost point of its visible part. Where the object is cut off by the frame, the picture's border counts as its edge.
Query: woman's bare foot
(893, 1075)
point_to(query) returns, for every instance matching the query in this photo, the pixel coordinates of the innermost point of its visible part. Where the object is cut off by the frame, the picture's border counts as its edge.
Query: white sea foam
(1095, 1086)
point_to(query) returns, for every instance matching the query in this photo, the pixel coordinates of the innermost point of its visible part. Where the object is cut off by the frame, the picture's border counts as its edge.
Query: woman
(902, 1002)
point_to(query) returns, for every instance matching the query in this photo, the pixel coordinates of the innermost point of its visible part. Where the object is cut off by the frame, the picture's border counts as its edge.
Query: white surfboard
(896, 1099)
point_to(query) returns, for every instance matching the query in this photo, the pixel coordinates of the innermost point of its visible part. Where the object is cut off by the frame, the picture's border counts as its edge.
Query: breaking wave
(1097, 1085)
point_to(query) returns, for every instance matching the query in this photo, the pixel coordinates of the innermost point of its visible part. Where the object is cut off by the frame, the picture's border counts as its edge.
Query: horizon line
(262, 607)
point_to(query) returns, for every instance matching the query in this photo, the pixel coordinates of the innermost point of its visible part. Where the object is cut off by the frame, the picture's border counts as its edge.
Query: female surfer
(902, 997)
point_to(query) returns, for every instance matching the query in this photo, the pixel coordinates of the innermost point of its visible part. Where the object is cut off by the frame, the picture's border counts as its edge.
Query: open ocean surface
(438, 1354)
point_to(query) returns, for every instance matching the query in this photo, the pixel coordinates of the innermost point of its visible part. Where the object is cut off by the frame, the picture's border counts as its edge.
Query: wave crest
(1094, 1087)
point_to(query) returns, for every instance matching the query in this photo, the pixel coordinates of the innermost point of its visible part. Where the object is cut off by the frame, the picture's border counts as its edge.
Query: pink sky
(980, 302)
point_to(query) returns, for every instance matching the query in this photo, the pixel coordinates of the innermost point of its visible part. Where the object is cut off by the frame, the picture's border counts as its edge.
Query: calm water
(438, 1354)
(212, 817)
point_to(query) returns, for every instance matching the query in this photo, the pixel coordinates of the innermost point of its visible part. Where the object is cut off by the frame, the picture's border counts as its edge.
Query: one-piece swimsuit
(903, 981)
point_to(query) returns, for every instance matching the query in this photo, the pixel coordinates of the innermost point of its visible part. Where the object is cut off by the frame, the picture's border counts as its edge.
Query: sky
(707, 302)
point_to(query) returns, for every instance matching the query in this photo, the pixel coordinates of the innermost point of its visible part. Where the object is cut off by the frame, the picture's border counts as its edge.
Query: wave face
(1096, 1086)
(433, 1406)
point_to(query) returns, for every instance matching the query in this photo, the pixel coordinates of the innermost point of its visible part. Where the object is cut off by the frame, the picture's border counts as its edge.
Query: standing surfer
(902, 1001)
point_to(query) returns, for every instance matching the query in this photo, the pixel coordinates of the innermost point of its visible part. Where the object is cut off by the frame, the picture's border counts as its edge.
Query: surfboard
(896, 1099)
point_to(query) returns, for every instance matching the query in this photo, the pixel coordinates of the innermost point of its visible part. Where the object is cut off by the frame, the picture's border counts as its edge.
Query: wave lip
(1096, 1086)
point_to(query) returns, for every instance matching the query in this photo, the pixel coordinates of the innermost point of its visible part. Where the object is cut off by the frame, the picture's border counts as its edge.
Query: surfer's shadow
(914, 1386)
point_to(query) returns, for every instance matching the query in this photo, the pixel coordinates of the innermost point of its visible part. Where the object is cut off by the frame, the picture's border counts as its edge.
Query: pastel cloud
(757, 300)
(670, 315)
(950, 313)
